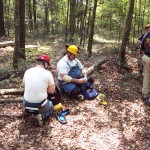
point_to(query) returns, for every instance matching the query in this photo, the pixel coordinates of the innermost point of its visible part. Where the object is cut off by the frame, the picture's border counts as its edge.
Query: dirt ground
(124, 124)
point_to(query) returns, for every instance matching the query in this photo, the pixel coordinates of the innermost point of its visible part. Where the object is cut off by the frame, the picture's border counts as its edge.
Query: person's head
(72, 51)
(44, 60)
(147, 28)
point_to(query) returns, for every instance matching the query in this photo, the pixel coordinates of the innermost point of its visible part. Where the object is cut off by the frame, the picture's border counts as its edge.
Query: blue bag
(89, 91)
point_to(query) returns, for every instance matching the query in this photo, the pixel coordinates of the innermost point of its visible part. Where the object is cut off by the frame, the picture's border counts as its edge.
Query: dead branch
(11, 115)
(94, 66)
(11, 91)
(9, 101)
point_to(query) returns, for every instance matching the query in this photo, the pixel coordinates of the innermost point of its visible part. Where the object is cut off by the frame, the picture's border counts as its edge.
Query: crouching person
(38, 83)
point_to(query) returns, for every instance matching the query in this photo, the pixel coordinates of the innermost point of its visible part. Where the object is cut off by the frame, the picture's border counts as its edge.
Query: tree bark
(72, 19)
(2, 28)
(90, 41)
(34, 13)
(67, 20)
(22, 29)
(16, 48)
(126, 33)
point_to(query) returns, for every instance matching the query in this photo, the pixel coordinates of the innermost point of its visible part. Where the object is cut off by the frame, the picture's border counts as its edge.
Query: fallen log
(94, 66)
(11, 100)
(11, 115)
(7, 43)
(11, 91)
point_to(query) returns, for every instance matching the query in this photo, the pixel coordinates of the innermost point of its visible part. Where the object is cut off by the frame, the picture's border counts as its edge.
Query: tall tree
(72, 19)
(16, 48)
(67, 21)
(91, 34)
(2, 28)
(22, 28)
(34, 13)
(83, 24)
(29, 7)
(46, 16)
(125, 38)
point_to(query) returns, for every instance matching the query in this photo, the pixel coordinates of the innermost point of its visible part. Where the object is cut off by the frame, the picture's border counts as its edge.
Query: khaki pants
(146, 75)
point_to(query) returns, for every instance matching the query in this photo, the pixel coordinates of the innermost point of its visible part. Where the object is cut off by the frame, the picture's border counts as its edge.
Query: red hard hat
(44, 57)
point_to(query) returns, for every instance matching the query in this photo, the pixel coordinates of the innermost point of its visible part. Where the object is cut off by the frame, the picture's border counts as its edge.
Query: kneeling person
(38, 82)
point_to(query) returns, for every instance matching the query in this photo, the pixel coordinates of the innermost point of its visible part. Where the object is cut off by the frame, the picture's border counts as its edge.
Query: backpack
(89, 91)
(56, 97)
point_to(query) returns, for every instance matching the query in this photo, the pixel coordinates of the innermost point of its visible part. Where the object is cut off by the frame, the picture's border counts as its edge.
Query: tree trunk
(30, 16)
(72, 19)
(52, 16)
(67, 20)
(16, 48)
(126, 33)
(83, 25)
(22, 29)
(34, 13)
(139, 17)
(90, 41)
(46, 17)
(2, 28)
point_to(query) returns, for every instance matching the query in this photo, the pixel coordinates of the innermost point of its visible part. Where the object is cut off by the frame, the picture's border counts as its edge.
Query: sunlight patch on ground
(104, 139)
(44, 48)
(100, 39)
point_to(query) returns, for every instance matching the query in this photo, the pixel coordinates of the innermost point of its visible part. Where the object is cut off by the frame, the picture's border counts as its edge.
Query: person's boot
(80, 97)
(37, 120)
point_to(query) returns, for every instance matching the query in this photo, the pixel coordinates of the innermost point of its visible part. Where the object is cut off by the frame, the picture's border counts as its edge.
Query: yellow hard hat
(73, 49)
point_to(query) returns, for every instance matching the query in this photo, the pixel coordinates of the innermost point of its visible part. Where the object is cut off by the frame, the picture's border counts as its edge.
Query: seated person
(38, 83)
(71, 73)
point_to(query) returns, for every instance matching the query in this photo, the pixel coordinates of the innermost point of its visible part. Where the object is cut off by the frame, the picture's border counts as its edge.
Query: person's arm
(142, 48)
(51, 84)
(51, 89)
(69, 79)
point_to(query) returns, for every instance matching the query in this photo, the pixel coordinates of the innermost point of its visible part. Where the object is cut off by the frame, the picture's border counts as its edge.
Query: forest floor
(124, 124)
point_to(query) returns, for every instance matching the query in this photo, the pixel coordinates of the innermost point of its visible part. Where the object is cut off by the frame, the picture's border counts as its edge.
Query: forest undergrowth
(124, 124)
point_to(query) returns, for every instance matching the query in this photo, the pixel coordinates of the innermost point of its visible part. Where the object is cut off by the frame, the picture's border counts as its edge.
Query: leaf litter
(124, 124)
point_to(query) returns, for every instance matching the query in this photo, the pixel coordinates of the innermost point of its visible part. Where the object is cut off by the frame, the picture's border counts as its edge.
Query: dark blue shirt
(141, 37)
(145, 45)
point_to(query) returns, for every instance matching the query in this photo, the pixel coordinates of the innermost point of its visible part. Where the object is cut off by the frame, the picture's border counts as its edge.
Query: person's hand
(82, 80)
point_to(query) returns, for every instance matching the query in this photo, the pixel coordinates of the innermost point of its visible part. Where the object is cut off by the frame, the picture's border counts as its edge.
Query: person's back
(37, 81)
